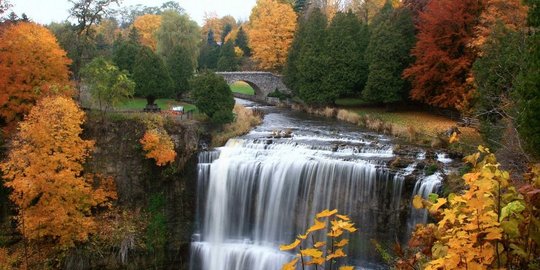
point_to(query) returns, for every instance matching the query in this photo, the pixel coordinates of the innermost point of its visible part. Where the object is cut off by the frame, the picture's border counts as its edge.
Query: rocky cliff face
(139, 181)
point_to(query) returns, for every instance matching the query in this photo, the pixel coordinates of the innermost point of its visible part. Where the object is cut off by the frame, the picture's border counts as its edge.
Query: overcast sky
(46, 11)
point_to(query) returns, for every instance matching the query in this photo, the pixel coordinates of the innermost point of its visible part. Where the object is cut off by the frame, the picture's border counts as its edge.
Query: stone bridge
(264, 83)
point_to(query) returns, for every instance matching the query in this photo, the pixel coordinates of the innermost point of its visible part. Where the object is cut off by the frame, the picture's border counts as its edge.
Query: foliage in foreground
(321, 252)
(492, 225)
(44, 170)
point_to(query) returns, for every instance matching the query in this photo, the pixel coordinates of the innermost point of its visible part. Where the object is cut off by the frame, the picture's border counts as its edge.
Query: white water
(257, 193)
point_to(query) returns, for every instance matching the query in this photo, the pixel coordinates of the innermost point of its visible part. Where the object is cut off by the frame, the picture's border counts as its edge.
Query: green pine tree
(388, 54)
(213, 97)
(347, 70)
(312, 62)
(151, 76)
(227, 58)
(241, 42)
(181, 70)
(290, 71)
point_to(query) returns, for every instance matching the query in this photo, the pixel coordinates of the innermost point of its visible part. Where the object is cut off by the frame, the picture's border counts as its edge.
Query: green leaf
(514, 207)
(432, 197)
(511, 228)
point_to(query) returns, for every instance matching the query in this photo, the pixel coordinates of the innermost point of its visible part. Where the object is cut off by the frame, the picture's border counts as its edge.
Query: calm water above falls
(258, 192)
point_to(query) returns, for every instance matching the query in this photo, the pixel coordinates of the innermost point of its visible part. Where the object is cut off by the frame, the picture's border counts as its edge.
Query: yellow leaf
(317, 226)
(454, 138)
(311, 252)
(418, 202)
(319, 244)
(342, 243)
(290, 265)
(293, 245)
(435, 207)
(346, 268)
(303, 236)
(337, 254)
(344, 217)
(314, 261)
(326, 213)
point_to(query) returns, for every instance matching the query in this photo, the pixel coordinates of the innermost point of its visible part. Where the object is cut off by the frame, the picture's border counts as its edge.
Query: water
(257, 192)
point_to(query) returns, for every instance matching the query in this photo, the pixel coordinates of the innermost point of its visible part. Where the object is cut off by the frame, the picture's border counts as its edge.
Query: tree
(291, 74)
(347, 40)
(213, 97)
(495, 75)
(271, 31)
(388, 55)
(109, 86)
(529, 85)
(151, 76)
(242, 42)
(124, 55)
(4, 5)
(178, 30)
(32, 65)
(147, 27)
(227, 28)
(443, 58)
(416, 7)
(312, 62)
(181, 70)
(44, 171)
(227, 58)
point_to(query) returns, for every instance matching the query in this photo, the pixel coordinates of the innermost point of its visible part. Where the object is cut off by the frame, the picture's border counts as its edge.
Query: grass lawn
(164, 104)
(242, 88)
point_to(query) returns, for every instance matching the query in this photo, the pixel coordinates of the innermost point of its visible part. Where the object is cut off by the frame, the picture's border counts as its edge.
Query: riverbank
(414, 126)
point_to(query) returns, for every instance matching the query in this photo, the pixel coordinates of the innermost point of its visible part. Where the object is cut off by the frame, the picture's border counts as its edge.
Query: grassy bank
(245, 120)
(242, 88)
(164, 104)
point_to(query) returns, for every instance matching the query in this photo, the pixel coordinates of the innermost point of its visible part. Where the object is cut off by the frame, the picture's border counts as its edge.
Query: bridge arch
(263, 83)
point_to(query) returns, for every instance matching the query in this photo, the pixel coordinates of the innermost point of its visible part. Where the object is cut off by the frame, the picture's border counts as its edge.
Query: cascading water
(257, 192)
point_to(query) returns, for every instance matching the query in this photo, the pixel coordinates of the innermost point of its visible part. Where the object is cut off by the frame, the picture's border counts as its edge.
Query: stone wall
(264, 83)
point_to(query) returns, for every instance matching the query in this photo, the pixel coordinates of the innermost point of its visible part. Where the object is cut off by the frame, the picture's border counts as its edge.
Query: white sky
(46, 11)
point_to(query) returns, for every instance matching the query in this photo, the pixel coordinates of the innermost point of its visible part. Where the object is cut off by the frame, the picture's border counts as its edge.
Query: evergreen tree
(529, 85)
(347, 40)
(388, 54)
(300, 5)
(181, 70)
(150, 75)
(290, 72)
(124, 55)
(213, 97)
(210, 40)
(242, 42)
(495, 76)
(208, 57)
(134, 36)
(227, 28)
(313, 61)
(227, 58)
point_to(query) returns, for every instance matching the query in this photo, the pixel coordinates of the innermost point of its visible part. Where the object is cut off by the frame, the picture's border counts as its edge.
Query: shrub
(213, 97)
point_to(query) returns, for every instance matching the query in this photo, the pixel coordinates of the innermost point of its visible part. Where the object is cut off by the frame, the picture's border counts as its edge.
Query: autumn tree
(271, 32)
(108, 85)
(151, 76)
(440, 74)
(178, 30)
(392, 37)
(44, 171)
(346, 43)
(147, 26)
(32, 65)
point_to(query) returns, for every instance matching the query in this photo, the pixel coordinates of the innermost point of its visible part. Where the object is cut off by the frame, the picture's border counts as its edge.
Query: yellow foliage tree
(271, 31)
(147, 26)
(44, 171)
(31, 65)
(327, 225)
(490, 226)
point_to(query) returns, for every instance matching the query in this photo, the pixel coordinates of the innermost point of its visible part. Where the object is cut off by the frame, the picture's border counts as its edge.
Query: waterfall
(423, 187)
(255, 195)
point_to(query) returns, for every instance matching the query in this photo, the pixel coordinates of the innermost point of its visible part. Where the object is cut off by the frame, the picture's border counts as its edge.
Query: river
(258, 192)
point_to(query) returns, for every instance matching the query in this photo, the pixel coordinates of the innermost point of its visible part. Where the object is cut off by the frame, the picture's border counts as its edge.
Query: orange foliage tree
(147, 25)
(271, 31)
(156, 142)
(31, 64)
(440, 75)
(44, 171)
(511, 13)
